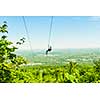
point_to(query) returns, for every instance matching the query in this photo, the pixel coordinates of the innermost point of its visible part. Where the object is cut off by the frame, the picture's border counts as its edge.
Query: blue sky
(67, 31)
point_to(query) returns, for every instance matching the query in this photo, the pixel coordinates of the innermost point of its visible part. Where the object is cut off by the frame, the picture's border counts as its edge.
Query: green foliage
(9, 61)
(57, 74)
(22, 40)
(3, 28)
(97, 65)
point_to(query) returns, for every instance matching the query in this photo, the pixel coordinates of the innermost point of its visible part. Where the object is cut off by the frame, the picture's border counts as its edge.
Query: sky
(67, 31)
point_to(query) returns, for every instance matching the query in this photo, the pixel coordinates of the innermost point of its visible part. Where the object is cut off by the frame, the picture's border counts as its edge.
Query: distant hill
(61, 56)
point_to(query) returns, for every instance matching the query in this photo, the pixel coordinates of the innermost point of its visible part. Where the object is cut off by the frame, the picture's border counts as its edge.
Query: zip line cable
(49, 40)
(27, 33)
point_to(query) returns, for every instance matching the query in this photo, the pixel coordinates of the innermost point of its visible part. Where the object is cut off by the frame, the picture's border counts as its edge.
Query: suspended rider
(48, 50)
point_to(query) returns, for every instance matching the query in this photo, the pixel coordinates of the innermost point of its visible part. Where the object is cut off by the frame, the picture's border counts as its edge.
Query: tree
(8, 59)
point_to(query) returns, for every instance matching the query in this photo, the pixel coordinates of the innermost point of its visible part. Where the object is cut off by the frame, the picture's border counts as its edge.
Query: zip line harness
(49, 47)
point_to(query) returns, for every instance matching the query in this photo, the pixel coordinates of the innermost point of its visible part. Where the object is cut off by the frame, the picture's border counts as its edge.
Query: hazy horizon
(55, 49)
